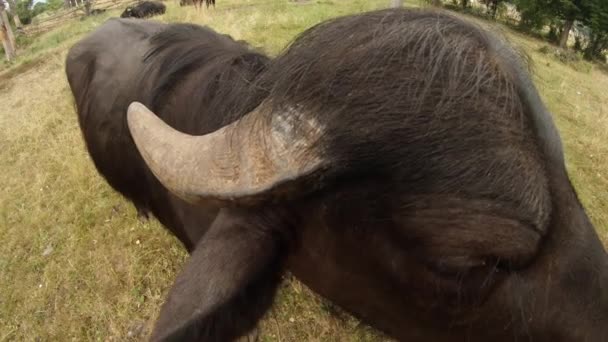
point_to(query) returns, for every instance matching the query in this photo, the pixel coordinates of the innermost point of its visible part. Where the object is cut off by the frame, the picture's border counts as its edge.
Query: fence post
(396, 3)
(6, 34)
(17, 20)
(8, 28)
(13, 12)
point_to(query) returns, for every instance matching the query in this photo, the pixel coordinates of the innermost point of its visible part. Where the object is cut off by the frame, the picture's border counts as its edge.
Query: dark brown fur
(447, 214)
(144, 9)
(198, 69)
(197, 3)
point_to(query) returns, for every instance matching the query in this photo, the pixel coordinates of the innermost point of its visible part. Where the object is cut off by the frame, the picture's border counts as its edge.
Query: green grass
(33, 50)
(76, 264)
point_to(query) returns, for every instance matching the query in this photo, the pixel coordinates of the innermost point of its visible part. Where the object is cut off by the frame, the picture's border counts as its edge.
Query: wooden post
(87, 7)
(6, 34)
(13, 5)
(396, 3)
(17, 21)
(9, 29)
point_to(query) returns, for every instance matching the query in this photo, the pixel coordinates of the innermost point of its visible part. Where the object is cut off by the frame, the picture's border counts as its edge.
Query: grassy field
(76, 264)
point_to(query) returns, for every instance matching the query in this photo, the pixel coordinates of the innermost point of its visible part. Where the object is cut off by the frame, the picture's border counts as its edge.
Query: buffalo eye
(462, 249)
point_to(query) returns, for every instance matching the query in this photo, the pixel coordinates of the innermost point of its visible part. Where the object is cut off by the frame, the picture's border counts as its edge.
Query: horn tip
(136, 114)
(136, 107)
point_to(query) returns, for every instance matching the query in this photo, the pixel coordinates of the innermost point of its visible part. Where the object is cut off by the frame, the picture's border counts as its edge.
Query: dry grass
(76, 264)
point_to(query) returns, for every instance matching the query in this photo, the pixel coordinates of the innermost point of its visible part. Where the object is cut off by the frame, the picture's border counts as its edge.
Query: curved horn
(243, 160)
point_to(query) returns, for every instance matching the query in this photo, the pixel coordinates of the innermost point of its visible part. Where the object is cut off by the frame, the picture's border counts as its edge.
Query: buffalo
(197, 3)
(399, 162)
(144, 9)
(206, 69)
(98, 11)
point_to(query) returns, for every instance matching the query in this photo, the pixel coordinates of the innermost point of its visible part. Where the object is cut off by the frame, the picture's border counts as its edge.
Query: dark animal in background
(98, 11)
(144, 9)
(423, 188)
(197, 3)
(208, 2)
(212, 70)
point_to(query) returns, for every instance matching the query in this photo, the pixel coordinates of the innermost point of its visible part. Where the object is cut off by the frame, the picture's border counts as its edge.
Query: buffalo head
(403, 166)
(127, 13)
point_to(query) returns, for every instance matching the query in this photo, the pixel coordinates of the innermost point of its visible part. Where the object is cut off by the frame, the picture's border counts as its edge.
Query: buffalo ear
(228, 283)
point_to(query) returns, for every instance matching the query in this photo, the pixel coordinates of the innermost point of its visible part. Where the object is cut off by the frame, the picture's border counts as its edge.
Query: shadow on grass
(18, 68)
(603, 67)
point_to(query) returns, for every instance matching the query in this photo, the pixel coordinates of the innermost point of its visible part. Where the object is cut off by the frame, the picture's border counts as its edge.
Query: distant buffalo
(197, 3)
(98, 11)
(399, 162)
(144, 9)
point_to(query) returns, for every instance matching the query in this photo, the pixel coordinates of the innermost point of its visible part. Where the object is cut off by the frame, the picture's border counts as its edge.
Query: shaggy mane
(225, 67)
(424, 97)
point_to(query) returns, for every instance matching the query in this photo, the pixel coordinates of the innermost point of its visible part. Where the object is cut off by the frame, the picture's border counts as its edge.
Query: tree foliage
(598, 24)
(53, 5)
(26, 9)
(493, 6)
(536, 14)
(560, 16)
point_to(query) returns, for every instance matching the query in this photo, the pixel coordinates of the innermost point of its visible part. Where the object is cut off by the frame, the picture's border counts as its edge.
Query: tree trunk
(9, 30)
(6, 35)
(494, 8)
(12, 6)
(7, 48)
(87, 7)
(563, 38)
(396, 3)
(465, 3)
